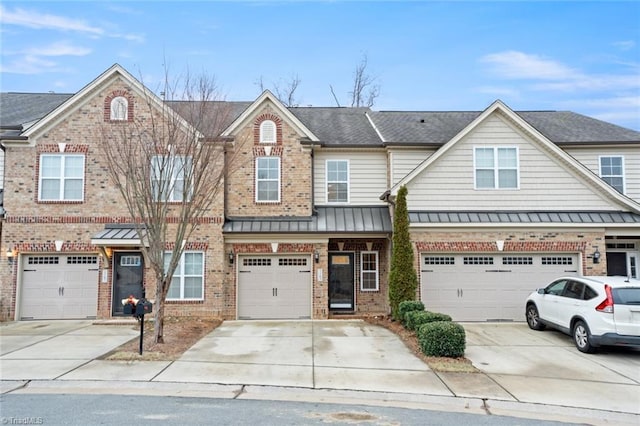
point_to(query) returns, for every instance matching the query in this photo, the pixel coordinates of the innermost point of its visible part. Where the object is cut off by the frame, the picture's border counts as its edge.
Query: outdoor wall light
(10, 256)
(596, 256)
(231, 256)
(316, 256)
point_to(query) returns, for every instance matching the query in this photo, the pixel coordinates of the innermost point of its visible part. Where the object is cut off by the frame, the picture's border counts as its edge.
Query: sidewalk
(535, 376)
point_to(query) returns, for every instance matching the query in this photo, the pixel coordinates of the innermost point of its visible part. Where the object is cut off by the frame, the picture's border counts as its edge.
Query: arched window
(119, 108)
(268, 132)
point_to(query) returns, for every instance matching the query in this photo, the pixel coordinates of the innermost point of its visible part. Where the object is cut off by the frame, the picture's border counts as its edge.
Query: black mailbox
(143, 307)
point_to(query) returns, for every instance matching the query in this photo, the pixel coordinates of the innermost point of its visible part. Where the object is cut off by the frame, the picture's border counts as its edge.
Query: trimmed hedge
(414, 319)
(442, 339)
(409, 306)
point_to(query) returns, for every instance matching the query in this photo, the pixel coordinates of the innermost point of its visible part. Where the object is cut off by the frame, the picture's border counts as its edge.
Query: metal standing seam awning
(363, 219)
(117, 235)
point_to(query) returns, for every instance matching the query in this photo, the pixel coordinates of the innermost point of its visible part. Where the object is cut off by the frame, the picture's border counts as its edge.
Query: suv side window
(555, 288)
(573, 290)
(589, 293)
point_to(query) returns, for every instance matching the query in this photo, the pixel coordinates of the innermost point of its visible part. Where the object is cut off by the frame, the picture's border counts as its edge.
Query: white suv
(595, 311)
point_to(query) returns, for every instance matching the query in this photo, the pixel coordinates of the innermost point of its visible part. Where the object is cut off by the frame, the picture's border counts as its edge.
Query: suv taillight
(607, 304)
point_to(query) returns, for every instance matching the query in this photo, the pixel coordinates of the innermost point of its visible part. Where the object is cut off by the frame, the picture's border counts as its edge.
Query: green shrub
(442, 338)
(414, 319)
(409, 306)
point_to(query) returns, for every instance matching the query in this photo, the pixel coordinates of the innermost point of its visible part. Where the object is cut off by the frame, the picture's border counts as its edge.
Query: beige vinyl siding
(589, 156)
(544, 183)
(367, 176)
(405, 160)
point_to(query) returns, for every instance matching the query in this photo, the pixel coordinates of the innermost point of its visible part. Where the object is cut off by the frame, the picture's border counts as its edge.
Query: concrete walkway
(524, 373)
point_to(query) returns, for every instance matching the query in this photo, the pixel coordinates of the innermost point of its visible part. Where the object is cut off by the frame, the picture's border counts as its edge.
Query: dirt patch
(179, 335)
(441, 364)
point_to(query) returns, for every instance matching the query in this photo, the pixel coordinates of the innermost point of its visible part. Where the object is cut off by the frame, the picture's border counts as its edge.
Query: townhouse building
(500, 202)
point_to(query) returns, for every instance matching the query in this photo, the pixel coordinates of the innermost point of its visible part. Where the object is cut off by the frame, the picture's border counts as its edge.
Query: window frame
(258, 180)
(174, 178)
(375, 271)
(119, 109)
(347, 182)
(179, 274)
(62, 178)
(496, 168)
(604, 177)
(264, 134)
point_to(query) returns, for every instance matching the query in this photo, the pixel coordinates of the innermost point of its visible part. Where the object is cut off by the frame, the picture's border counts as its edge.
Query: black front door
(341, 290)
(128, 270)
(617, 264)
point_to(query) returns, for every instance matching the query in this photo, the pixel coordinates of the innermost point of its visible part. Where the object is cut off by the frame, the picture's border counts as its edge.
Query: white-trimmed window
(268, 132)
(337, 181)
(268, 179)
(496, 167)
(369, 277)
(612, 171)
(188, 279)
(61, 177)
(119, 108)
(168, 175)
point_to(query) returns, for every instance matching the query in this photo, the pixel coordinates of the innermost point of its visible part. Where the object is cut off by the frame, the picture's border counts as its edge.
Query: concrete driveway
(521, 369)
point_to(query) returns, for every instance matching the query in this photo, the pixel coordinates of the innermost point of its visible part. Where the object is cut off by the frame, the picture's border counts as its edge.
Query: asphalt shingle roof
(351, 127)
(339, 126)
(17, 109)
(414, 127)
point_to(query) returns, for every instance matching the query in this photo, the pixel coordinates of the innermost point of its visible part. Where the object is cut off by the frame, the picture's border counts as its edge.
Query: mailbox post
(137, 308)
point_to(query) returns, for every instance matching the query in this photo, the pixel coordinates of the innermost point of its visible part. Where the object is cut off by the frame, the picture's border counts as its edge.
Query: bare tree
(285, 91)
(364, 90)
(168, 164)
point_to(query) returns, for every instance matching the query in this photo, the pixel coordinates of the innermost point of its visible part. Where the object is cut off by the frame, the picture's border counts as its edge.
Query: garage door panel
(274, 287)
(59, 287)
(481, 287)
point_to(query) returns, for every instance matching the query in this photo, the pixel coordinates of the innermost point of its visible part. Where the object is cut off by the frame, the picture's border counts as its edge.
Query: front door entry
(341, 292)
(128, 271)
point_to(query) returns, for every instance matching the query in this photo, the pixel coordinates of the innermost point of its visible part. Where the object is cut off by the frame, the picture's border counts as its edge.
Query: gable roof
(499, 107)
(267, 96)
(437, 128)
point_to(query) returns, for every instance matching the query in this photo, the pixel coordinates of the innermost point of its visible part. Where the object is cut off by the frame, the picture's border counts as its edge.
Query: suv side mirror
(541, 291)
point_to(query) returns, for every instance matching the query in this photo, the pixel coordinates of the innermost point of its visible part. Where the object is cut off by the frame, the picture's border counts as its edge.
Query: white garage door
(488, 286)
(59, 287)
(274, 287)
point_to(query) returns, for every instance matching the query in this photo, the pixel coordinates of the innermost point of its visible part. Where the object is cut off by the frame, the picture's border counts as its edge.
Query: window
(119, 108)
(188, 279)
(268, 132)
(369, 271)
(268, 179)
(612, 172)
(337, 181)
(168, 175)
(61, 177)
(496, 168)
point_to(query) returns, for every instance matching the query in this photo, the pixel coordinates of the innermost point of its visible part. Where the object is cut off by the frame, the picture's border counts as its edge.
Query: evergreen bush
(414, 319)
(409, 306)
(442, 339)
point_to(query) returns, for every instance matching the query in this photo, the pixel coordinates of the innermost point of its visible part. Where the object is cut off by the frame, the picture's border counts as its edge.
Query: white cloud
(36, 20)
(625, 44)
(28, 64)
(519, 65)
(498, 91)
(58, 49)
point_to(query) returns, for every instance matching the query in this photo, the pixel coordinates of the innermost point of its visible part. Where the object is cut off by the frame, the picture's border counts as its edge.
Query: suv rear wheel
(533, 319)
(581, 337)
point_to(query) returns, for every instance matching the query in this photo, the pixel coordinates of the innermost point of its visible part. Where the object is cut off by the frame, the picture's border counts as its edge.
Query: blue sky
(424, 55)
